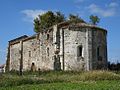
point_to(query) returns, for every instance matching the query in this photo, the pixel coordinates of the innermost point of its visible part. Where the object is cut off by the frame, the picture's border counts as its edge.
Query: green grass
(86, 85)
(93, 80)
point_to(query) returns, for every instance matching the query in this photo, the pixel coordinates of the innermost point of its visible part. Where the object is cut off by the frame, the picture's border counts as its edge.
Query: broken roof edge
(59, 25)
(68, 23)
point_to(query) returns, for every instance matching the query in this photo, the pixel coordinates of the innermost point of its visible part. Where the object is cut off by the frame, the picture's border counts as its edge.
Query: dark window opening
(98, 51)
(34, 49)
(48, 36)
(99, 57)
(33, 68)
(33, 64)
(48, 51)
(79, 51)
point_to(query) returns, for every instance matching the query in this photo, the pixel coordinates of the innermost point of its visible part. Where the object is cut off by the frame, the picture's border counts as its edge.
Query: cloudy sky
(16, 19)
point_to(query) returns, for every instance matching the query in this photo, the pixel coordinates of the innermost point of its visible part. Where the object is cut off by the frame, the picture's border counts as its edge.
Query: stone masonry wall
(40, 49)
(73, 39)
(15, 56)
(99, 41)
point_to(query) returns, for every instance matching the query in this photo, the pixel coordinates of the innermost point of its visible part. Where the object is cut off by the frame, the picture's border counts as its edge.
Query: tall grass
(28, 78)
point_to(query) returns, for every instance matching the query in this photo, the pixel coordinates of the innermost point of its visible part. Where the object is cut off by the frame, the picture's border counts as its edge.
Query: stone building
(65, 46)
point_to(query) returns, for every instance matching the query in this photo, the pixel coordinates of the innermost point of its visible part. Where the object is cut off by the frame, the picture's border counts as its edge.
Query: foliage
(47, 20)
(75, 18)
(94, 19)
(44, 21)
(59, 17)
(114, 66)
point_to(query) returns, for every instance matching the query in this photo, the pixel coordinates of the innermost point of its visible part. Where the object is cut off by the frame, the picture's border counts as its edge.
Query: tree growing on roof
(94, 19)
(75, 19)
(44, 21)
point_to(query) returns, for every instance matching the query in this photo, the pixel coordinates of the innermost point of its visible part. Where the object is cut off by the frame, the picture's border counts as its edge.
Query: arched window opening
(33, 68)
(33, 64)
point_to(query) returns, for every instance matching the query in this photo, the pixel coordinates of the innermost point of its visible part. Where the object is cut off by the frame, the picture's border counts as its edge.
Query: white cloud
(113, 4)
(105, 12)
(30, 15)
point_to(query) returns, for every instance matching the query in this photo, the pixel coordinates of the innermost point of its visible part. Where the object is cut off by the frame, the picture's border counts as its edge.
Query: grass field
(86, 85)
(94, 80)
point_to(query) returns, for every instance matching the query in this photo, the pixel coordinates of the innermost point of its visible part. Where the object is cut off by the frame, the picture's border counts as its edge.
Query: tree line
(114, 66)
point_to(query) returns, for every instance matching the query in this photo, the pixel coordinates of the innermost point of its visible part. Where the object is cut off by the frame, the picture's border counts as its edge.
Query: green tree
(59, 17)
(94, 19)
(37, 25)
(76, 19)
(47, 20)
(44, 21)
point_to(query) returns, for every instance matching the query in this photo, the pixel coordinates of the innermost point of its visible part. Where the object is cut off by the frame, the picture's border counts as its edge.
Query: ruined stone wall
(31, 52)
(37, 50)
(40, 49)
(15, 56)
(74, 37)
(99, 47)
(47, 51)
(89, 39)
(89, 45)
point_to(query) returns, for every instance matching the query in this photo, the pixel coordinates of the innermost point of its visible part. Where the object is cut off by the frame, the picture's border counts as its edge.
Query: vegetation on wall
(44, 21)
(76, 18)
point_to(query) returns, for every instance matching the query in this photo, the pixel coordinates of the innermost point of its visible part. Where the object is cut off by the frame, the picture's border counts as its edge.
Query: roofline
(65, 24)
(82, 25)
(19, 38)
(25, 39)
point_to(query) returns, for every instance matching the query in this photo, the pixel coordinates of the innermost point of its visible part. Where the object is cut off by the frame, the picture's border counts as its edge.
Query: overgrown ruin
(64, 46)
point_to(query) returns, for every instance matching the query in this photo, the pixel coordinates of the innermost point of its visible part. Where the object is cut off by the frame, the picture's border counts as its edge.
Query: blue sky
(16, 19)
